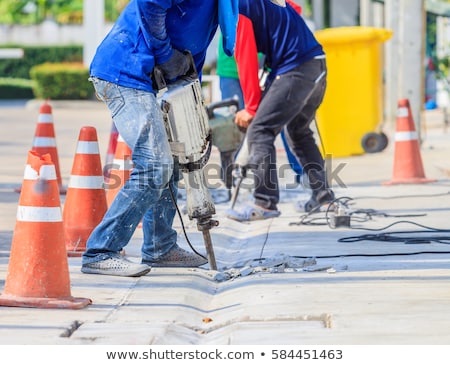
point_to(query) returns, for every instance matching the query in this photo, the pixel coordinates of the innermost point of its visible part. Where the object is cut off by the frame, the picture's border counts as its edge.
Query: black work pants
(290, 102)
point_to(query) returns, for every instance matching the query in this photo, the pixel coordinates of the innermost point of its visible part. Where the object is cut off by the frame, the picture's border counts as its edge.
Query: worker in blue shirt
(294, 90)
(149, 33)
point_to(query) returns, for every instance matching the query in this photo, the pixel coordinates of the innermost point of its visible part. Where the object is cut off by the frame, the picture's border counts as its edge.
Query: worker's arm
(248, 67)
(152, 20)
(247, 64)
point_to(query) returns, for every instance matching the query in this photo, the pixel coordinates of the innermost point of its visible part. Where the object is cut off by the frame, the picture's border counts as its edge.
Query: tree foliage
(27, 12)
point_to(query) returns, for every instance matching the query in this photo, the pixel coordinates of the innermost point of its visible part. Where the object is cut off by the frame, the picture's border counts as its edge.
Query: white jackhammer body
(187, 127)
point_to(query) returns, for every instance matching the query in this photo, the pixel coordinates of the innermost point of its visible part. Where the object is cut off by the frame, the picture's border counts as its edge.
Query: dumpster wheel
(374, 142)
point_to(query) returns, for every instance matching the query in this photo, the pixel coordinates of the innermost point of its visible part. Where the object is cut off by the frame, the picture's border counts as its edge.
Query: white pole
(366, 13)
(318, 13)
(392, 15)
(405, 56)
(94, 27)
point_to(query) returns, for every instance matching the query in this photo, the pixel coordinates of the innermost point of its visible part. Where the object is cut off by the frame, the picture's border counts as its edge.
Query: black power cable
(174, 201)
(427, 236)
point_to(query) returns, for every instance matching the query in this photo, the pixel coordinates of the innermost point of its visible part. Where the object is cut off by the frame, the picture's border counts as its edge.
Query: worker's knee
(153, 175)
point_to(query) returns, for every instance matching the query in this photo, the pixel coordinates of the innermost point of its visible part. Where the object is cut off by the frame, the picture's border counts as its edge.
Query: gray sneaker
(177, 257)
(117, 266)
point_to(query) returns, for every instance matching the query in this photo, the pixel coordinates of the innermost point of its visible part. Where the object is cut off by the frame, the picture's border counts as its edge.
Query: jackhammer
(226, 136)
(187, 127)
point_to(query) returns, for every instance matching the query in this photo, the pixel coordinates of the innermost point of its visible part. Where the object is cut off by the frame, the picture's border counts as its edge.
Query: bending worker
(146, 34)
(293, 92)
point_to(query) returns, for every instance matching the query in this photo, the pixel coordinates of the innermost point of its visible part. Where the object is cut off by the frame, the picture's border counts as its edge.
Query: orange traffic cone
(408, 168)
(85, 203)
(111, 151)
(38, 272)
(120, 170)
(44, 140)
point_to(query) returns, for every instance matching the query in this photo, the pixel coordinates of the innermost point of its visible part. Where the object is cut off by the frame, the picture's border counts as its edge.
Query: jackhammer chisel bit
(239, 178)
(240, 172)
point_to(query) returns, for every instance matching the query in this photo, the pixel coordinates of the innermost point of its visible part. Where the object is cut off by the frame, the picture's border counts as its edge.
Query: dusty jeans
(145, 195)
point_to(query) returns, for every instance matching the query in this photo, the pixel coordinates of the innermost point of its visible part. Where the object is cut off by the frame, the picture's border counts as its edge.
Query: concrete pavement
(292, 280)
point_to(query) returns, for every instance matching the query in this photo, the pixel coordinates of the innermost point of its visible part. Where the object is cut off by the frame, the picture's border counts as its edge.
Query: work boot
(177, 257)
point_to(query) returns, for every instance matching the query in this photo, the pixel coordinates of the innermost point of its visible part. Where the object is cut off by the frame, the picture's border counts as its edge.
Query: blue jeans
(145, 195)
(293, 161)
(230, 87)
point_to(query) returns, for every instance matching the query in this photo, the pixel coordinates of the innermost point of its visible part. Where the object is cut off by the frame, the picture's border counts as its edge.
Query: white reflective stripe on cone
(86, 182)
(45, 118)
(405, 136)
(87, 147)
(46, 172)
(39, 214)
(44, 142)
(402, 112)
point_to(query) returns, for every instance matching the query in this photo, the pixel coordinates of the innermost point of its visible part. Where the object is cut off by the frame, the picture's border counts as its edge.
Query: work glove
(177, 65)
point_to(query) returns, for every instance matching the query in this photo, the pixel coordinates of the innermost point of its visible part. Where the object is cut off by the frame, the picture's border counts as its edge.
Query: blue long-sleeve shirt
(280, 34)
(146, 33)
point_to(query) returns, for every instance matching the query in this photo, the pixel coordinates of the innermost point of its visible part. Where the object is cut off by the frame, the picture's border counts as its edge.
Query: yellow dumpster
(350, 117)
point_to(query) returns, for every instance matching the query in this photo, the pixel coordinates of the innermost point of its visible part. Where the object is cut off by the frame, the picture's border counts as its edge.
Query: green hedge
(61, 81)
(20, 68)
(11, 88)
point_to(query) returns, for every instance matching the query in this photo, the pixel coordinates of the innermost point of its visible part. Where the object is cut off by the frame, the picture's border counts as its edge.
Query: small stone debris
(278, 264)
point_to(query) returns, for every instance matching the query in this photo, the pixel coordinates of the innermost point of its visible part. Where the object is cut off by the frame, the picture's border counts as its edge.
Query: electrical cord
(374, 254)
(262, 259)
(394, 235)
(174, 201)
(340, 206)
(360, 215)
(391, 237)
(403, 196)
(364, 215)
(409, 222)
(325, 220)
(265, 240)
(344, 201)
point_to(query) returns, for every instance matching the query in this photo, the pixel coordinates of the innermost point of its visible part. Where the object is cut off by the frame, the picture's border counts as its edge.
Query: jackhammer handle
(158, 80)
(221, 104)
(192, 73)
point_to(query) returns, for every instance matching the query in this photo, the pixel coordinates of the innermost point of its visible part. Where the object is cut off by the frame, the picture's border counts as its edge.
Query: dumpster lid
(340, 35)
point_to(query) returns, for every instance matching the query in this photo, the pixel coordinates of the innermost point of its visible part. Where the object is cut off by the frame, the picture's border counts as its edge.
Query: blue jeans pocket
(110, 94)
